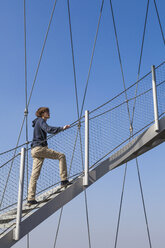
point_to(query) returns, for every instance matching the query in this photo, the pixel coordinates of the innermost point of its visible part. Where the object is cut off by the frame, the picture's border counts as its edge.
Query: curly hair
(41, 110)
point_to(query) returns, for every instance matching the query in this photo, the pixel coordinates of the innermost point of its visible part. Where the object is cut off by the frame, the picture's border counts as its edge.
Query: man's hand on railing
(66, 127)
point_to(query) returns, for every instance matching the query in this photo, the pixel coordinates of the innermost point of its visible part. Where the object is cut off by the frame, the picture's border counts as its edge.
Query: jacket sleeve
(48, 129)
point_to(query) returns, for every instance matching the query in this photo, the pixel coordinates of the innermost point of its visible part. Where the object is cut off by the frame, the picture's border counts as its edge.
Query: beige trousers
(39, 154)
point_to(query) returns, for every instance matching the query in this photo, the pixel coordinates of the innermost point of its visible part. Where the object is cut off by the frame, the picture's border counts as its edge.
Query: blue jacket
(41, 129)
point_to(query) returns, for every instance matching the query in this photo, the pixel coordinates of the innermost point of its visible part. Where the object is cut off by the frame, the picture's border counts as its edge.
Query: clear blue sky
(55, 88)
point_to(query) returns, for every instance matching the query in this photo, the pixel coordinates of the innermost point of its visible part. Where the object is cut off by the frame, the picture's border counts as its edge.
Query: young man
(40, 151)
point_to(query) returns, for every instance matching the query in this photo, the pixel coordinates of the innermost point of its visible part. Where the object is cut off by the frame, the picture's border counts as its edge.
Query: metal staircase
(54, 200)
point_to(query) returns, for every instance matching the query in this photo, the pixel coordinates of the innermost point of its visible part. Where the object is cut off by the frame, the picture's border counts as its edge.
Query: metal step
(6, 219)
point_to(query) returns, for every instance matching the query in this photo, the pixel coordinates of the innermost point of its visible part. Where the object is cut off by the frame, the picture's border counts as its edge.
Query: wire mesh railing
(110, 123)
(108, 130)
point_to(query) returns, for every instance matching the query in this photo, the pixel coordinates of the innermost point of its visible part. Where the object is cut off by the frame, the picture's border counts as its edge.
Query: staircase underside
(57, 199)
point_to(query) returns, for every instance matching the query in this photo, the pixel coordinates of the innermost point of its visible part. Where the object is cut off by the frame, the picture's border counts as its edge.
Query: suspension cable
(144, 208)
(42, 51)
(60, 216)
(121, 67)
(123, 79)
(78, 131)
(131, 122)
(73, 60)
(87, 217)
(121, 203)
(139, 178)
(91, 59)
(141, 52)
(85, 194)
(26, 105)
(161, 29)
(25, 57)
(58, 227)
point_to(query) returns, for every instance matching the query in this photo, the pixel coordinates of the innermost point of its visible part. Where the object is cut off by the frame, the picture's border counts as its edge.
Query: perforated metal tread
(8, 218)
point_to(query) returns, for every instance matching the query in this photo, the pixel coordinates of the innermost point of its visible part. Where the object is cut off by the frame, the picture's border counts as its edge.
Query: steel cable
(139, 178)
(91, 61)
(122, 72)
(131, 122)
(141, 52)
(98, 25)
(121, 203)
(61, 211)
(58, 227)
(73, 61)
(85, 87)
(161, 29)
(121, 67)
(26, 106)
(87, 216)
(42, 51)
(78, 131)
(144, 208)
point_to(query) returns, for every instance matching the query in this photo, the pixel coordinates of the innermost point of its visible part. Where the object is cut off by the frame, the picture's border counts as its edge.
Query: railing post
(86, 169)
(20, 195)
(155, 101)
